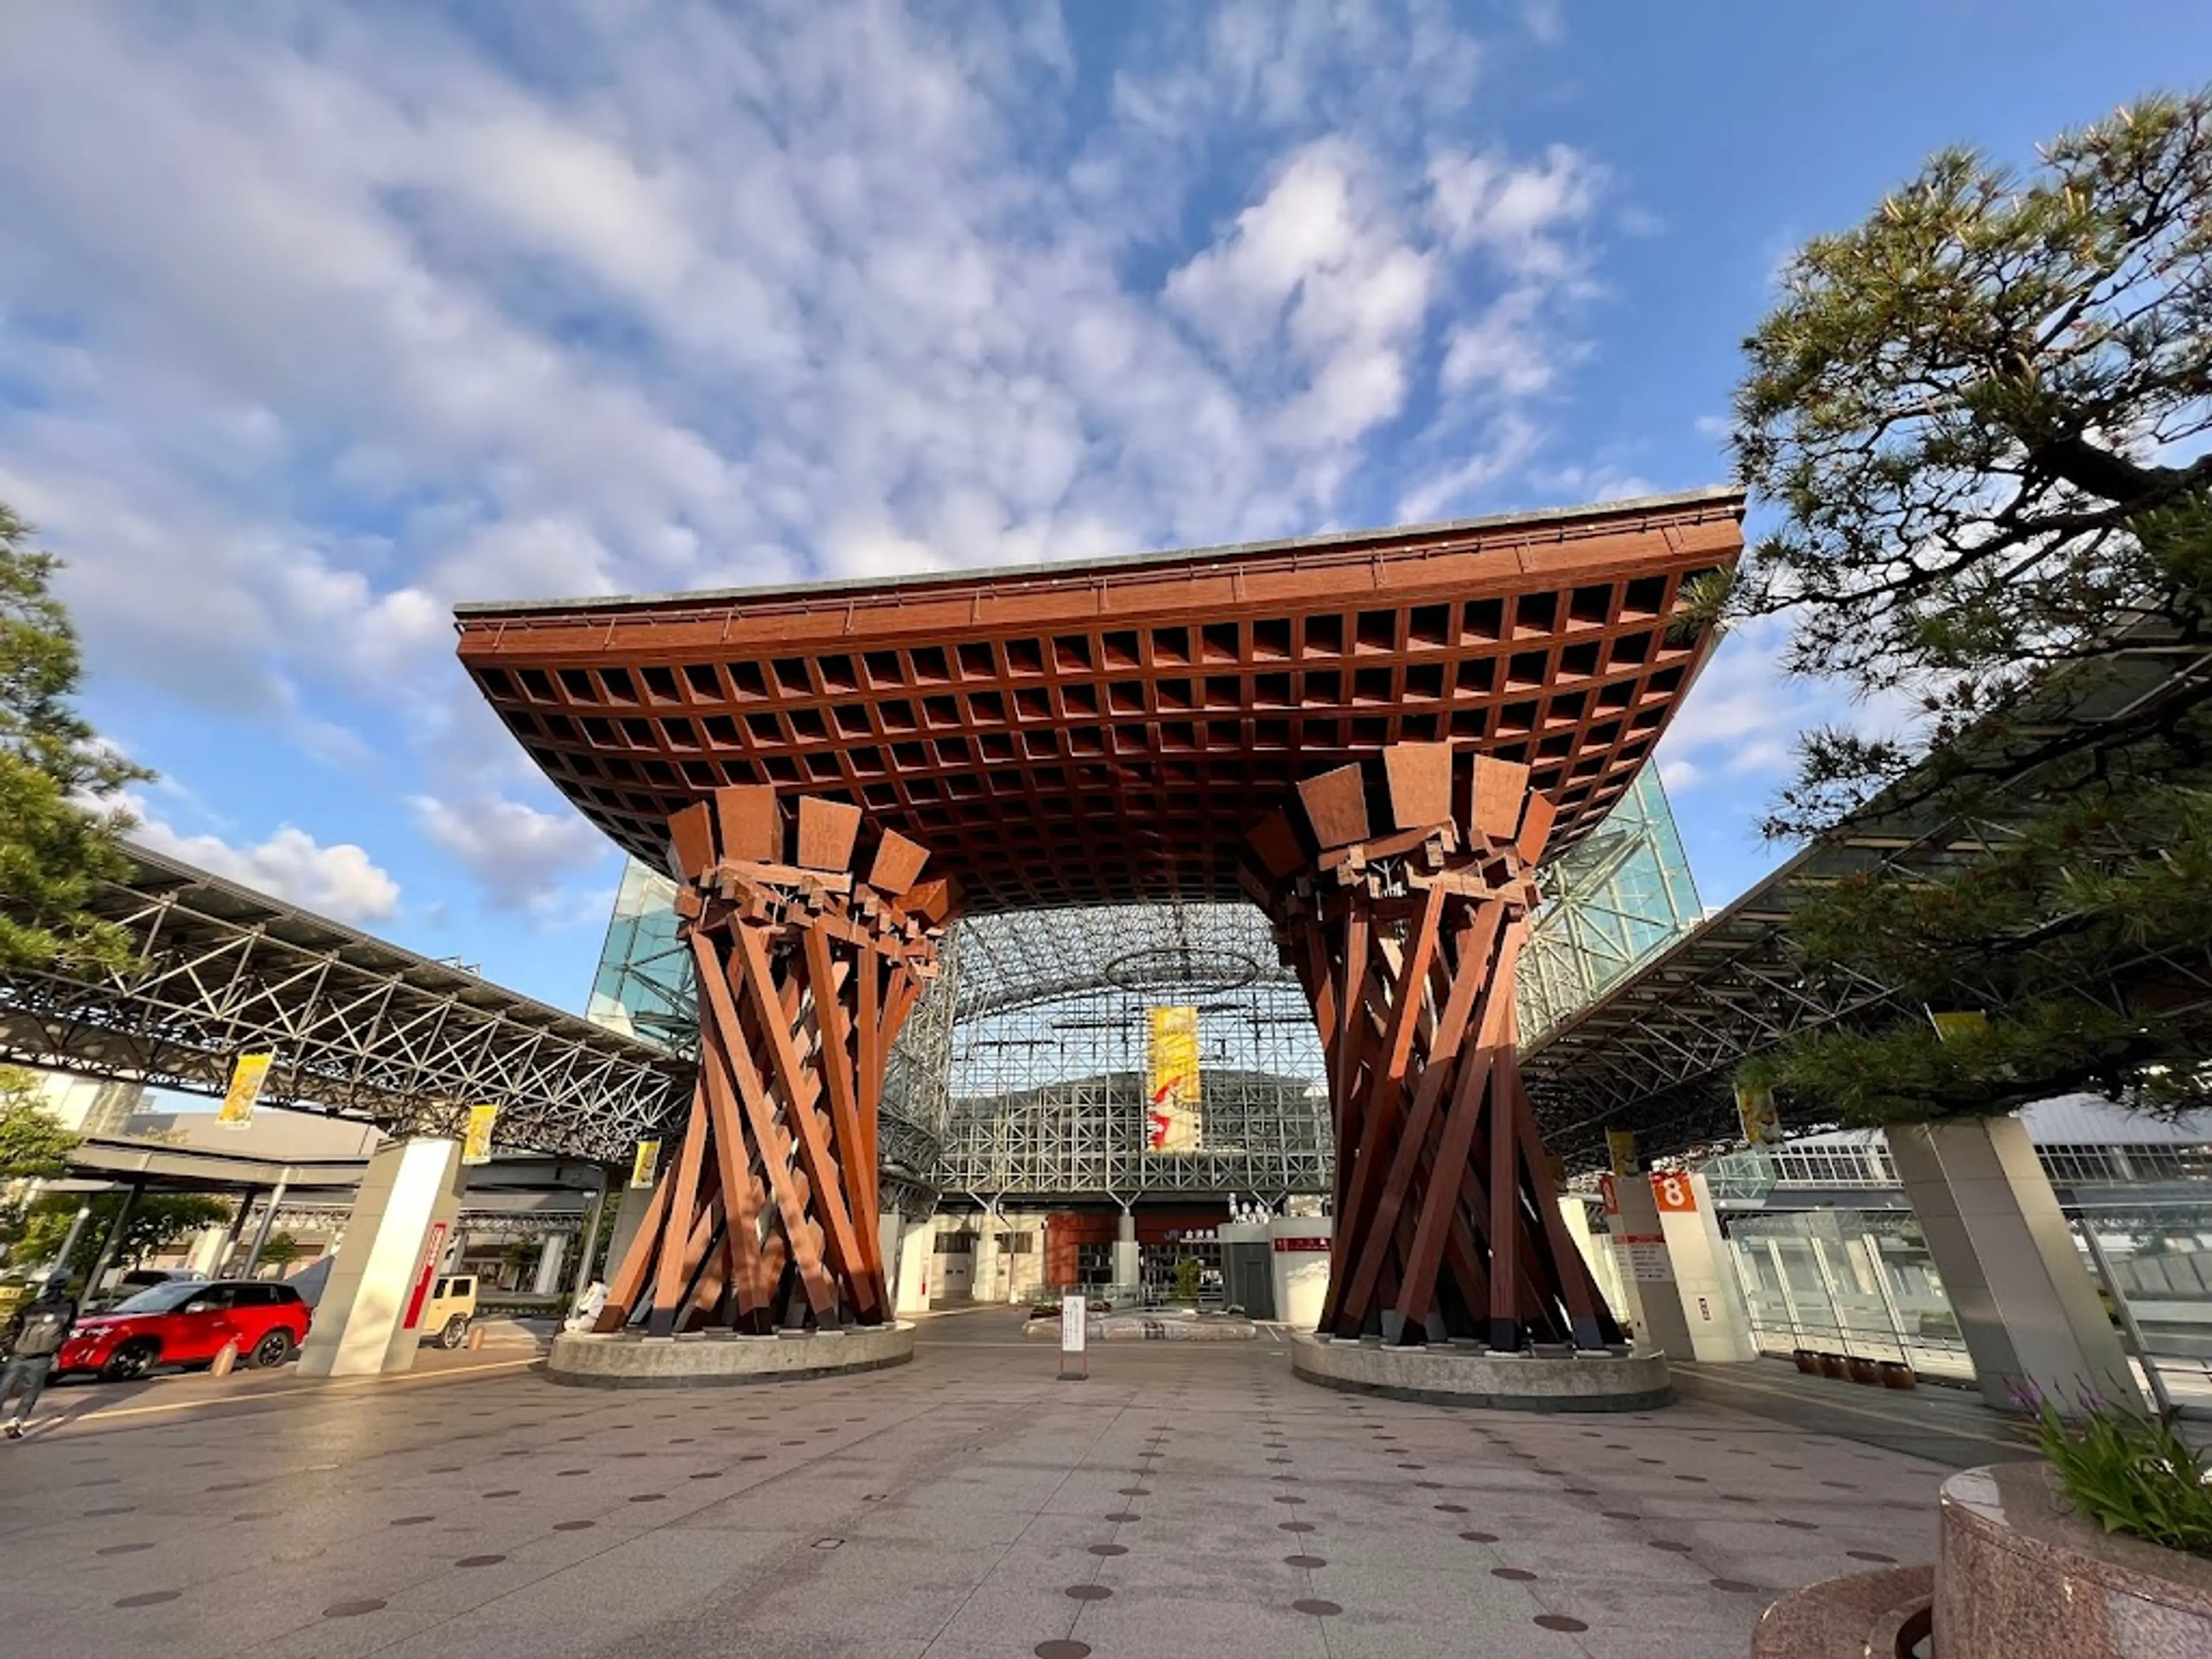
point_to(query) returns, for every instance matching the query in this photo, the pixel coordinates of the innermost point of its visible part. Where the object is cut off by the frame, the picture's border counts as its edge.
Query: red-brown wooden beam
(805, 972)
(1406, 936)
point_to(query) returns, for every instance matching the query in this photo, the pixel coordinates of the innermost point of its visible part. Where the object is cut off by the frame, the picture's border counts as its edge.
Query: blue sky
(316, 320)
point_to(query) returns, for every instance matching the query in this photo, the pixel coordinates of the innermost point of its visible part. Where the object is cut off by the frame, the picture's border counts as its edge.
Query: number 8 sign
(1674, 1192)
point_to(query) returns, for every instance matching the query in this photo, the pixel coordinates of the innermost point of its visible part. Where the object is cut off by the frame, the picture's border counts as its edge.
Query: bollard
(476, 1336)
(226, 1359)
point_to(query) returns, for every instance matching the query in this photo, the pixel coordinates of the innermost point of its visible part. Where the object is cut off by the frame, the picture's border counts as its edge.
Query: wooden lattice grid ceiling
(1106, 733)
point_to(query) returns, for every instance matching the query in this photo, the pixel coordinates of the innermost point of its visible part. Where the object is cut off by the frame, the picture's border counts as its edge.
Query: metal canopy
(1658, 1053)
(1108, 733)
(360, 1028)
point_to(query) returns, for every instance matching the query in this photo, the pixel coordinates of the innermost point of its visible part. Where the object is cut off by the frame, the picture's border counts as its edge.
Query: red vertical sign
(430, 1259)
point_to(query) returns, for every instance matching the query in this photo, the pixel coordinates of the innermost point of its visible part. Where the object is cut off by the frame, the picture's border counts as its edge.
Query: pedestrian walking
(31, 1339)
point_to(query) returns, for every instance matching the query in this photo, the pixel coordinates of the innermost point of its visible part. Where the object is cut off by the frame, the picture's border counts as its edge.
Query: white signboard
(1074, 1323)
(1645, 1256)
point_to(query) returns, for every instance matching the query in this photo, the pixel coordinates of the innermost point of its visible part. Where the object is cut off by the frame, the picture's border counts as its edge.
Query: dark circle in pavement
(230, 1486)
(1695, 1480)
(574, 1526)
(1061, 1650)
(1579, 1492)
(479, 1560)
(1518, 1575)
(1123, 1514)
(1871, 1555)
(112, 1509)
(1134, 1492)
(754, 1457)
(1451, 1508)
(565, 1472)
(148, 1598)
(1796, 1525)
(1735, 1586)
(1088, 1592)
(1279, 1459)
(413, 1520)
(1840, 1485)
(506, 1491)
(1109, 1549)
(1786, 1466)
(1429, 1486)
(1315, 1606)
(1650, 1460)
(1560, 1621)
(1286, 1498)
(1282, 1477)
(1479, 1537)
(351, 1609)
(1294, 1525)
(122, 1549)
(710, 1474)
(1308, 1562)
(1413, 1466)
(647, 1497)
(1672, 1545)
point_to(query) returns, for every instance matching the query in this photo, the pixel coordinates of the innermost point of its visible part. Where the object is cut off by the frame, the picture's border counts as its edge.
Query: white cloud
(523, 856)
(339, 881)
(325, 326)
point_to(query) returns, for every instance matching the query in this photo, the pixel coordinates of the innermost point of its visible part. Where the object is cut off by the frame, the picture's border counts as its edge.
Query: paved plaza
(1185, 1499)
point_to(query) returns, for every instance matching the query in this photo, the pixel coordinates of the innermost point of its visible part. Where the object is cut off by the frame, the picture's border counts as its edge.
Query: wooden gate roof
(1106, 733)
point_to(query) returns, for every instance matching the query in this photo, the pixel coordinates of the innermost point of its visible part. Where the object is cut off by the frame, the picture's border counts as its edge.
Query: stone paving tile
(943, 1510)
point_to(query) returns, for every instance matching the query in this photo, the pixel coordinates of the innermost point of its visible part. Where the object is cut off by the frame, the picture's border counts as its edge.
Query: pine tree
(1981, 416)
(58, 832)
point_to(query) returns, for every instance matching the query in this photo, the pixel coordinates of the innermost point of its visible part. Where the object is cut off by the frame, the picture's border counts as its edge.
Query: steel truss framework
(360, 1028)
(1656, 1055)
(1046, 1057)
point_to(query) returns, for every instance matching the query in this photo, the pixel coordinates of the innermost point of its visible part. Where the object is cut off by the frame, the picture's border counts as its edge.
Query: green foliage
(1981, 415)
(1187, 1274)
(280, 1251)
(157, 1221)
(33, 1142)
(55, 849)
(2130, 1473)
(1967, 408)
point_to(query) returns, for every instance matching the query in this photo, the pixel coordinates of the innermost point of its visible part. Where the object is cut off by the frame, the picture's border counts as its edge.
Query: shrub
(2130, 1472)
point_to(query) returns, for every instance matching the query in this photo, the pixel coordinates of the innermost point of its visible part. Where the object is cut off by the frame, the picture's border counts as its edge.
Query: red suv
(187, 1325)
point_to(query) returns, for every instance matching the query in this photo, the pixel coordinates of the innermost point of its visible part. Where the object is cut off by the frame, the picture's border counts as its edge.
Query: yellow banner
(1755, 1107)
(646, 1165)
(1171, 1082)
(247, 1076)
(476, 1145)
(1950, 1026)
(1621, 1147)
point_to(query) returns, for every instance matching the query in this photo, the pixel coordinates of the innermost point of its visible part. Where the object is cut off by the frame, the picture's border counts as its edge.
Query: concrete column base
(369, 1318)
(1519, 1382)
(2026, 1304)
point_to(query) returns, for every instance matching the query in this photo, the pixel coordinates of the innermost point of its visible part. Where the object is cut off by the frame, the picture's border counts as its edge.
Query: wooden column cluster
(806, 970)
(1400, 893)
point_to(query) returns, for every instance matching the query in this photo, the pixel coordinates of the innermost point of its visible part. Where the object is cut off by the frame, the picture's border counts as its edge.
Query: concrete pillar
(548, 1282)
(205, 1255)
(2025, 1305)
(1647, 1270)
(1300, 1247)
(1127, 1259)
(917, 1248)
(368, 1319)
(1604, 1265)
(990, 1285)
(630, 1214)
(1704, 1277)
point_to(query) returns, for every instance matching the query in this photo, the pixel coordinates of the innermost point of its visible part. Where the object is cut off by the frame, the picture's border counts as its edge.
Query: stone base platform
(1152, 1327)
(1528, 1382)
(1861, 1616)
(624, 1359)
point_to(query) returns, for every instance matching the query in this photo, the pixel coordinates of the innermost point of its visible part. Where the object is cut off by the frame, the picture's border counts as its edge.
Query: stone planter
(2019, 1575)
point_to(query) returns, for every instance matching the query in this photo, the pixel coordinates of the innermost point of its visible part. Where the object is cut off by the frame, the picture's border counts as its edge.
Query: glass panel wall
(1855, 1282)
